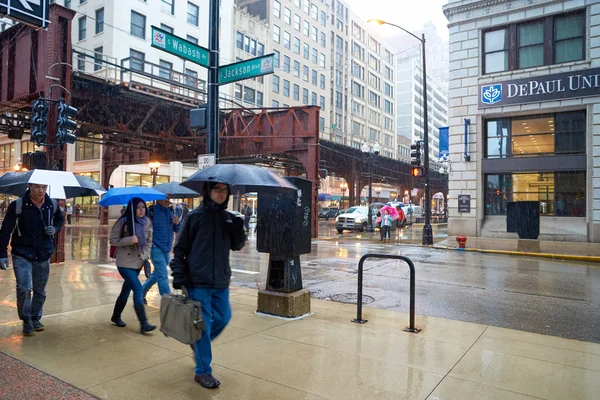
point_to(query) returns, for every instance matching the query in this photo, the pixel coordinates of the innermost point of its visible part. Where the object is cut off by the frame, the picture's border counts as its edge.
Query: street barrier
(359, 320)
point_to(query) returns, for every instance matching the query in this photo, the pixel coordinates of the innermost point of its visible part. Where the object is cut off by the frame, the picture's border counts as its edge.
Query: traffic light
(416, 171)
(415, 154)
(39, 122)
(65, 124)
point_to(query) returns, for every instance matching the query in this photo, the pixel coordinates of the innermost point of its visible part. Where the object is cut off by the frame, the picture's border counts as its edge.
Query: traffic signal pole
(427, 230)
(212, 137)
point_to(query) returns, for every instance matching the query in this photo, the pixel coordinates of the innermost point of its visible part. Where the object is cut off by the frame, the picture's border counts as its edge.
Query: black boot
(117, 311)
(140, 311)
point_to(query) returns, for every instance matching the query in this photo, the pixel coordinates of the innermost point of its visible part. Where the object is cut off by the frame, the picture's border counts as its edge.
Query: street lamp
(378, 191)
(154, 171)
(371, 155)
(343, 188)
(427, 230)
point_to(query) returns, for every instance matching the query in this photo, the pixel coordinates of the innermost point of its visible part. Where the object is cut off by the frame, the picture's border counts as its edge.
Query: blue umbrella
(119, 196)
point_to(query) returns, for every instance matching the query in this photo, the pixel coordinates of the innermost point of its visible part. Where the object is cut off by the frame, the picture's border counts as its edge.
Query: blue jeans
(216, 313)
(160, 260)
(30, 275)
(132, 282)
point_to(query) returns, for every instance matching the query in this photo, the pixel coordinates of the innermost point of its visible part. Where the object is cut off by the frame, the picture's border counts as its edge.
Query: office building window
(99, 20)
(322, 60)
(550, 40)
(305, 96)
(314, 77)
(286, 64)
(237, 93)
(136, 60)
(274, 103)
(259, 99)
(277, 9)
(193, 12)
(305, 71)
(260, 49)
(82, 28)
(191, 77)
(167, 6)
(138, 25)
(249, 95)
(323, 39)
(313, 99)
(276, 34)
(276, 59)
(306, 28)
(275, 83)
(239, 40)
(297, 22)
(296, 45)
(322, 81)
(287, 16)
(322, 102)
(81, 62)
(88, 150)
(166, 28)
(286, 88)
(98, 51)
(7, 156)
(166, 69)
(296, 69)
(296, 92)
(194, 40)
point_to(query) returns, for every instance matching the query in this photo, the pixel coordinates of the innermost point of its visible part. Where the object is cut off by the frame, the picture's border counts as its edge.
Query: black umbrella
(243, 178)
(174, 190)
(15, 183)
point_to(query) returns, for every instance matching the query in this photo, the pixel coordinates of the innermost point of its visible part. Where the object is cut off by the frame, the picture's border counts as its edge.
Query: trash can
(523, 217)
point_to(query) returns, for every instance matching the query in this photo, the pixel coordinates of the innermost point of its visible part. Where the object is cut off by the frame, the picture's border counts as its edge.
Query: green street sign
(246, 69)
(180, 47)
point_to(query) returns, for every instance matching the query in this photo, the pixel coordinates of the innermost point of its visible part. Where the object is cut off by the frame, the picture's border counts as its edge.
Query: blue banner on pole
(444, 142)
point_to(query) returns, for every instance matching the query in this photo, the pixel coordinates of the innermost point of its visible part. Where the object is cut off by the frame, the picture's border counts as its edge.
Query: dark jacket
(201, 254)
(32, 244)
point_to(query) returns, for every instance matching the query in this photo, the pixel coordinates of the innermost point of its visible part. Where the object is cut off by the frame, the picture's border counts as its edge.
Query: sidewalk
(323, 356)
(581, 251)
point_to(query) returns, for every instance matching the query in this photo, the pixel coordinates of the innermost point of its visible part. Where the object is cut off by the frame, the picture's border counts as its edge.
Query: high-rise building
(409, 103)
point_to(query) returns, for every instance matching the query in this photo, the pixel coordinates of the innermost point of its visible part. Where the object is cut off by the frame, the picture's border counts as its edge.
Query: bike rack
(359, 320)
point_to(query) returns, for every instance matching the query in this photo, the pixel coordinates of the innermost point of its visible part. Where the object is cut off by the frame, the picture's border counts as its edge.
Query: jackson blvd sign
(565, 85)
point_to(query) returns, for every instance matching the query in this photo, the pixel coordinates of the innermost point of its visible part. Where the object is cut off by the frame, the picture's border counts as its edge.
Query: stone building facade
(524, 115)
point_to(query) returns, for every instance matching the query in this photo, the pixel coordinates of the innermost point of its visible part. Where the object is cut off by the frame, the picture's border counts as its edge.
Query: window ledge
(545, 68)
(99, 34)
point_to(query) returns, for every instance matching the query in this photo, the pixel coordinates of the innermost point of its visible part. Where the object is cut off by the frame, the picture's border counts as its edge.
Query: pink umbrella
(393, 212)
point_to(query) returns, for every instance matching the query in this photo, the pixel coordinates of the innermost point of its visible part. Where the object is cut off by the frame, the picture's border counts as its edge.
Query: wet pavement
(551, 297)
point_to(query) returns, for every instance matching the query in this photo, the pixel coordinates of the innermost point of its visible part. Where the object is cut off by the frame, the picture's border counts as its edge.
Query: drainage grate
(350, 298)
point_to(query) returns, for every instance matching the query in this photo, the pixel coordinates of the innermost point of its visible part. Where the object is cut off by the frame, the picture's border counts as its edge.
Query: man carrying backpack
(32, 220)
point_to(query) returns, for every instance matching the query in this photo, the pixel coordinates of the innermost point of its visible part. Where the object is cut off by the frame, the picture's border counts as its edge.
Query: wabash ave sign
(561, 86)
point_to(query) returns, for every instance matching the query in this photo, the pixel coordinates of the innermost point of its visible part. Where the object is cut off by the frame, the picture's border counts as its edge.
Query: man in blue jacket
(164, 225)
(35, 219)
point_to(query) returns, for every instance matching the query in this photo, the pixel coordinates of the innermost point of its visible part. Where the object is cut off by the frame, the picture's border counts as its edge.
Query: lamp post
(371, 154)
(154, 171)
(427, 230)
(378, 191)
(343, 188)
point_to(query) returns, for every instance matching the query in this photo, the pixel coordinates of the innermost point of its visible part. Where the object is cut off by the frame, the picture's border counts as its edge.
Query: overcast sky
(409, 14)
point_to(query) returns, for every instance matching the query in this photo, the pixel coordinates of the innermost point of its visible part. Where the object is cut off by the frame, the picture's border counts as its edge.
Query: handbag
(181, 317)
(113, 249)
(147, 268)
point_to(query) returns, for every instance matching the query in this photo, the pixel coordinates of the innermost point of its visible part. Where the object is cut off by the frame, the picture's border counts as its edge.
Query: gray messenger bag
(181, 317)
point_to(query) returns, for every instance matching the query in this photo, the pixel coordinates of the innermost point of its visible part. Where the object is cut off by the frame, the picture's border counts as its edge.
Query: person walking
(132, 237)
(386, 224)
(77, 212)
(69, 213)
(32, 220)
(164, 224)
(201, 265)
(247, 215)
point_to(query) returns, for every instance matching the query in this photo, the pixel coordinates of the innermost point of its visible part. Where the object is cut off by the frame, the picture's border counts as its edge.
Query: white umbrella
(61, 184)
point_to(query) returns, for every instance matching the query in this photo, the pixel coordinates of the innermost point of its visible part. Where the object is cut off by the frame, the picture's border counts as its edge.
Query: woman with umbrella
(132, 238)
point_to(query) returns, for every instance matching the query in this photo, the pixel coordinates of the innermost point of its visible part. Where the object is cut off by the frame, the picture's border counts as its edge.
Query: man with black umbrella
(32, 220)
(201, 265)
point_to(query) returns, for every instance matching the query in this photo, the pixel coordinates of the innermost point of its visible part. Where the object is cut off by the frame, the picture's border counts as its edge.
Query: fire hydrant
(462, 241)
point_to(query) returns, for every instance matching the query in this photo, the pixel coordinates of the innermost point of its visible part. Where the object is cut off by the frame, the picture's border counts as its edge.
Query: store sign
(30, 12)
(583, 83)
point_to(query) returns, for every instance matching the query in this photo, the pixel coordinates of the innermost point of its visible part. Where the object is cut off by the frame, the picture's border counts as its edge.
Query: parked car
(328, 212)
(355, 218)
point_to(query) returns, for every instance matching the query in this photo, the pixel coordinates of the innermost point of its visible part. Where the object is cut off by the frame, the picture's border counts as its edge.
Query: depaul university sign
(565, 85)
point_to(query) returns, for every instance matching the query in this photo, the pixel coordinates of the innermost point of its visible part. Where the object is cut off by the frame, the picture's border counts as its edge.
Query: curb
(570, 257)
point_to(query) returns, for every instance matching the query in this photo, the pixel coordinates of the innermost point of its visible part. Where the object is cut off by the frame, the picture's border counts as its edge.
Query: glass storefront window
(89, 204)
(7, 156)
(540, 135)
(559, 193)
(143, 180)
(497, 138)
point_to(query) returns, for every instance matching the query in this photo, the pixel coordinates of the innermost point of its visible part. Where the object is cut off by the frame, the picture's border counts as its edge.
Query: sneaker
(38, 326)
(28, 328)
(208, 381)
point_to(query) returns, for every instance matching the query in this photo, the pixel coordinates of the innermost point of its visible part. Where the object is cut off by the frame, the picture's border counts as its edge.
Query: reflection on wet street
(545, 296)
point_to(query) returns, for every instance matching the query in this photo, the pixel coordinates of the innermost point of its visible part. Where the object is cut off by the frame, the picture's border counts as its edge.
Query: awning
(324, 196)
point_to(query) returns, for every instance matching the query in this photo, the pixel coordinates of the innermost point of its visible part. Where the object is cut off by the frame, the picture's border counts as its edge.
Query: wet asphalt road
(553, 297)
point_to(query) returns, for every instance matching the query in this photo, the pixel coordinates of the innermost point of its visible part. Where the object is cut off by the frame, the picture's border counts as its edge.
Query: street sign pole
(212, 139)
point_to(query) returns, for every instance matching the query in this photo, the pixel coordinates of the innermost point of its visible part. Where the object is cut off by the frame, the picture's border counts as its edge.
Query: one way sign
(30, 12)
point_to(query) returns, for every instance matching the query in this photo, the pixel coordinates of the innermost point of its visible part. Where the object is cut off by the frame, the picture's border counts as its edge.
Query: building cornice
(451, 9)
